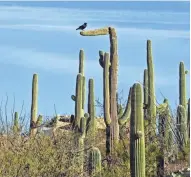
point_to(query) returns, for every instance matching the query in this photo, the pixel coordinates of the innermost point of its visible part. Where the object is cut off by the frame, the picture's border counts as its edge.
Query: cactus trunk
(91, 124)
(137, 139)
(34, 105)
(182, 126)
(78, 102)
(182, 85)
(16, 123)
(151, 92)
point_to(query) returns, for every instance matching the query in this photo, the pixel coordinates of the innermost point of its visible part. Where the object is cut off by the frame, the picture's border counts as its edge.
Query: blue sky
(40, 37)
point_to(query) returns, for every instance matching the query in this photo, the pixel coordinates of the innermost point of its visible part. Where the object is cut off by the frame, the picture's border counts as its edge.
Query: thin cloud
(66, 14)
(137, 32)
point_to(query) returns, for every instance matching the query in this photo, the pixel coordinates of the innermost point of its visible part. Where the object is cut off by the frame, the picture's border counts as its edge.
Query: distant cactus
(182, 125)
(151, 111)
(94, 162)
(182, 85)
(16, 128)
(78, 102)
(34, 105)
(137, 138)
(91, 122)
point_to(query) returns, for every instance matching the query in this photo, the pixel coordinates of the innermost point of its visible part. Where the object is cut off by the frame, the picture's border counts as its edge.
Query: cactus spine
(182, 85)
(34, 105)
(91, 124)
(182, 125)
(16, 123)
(137, 140)
(95, 162)
(151, 91)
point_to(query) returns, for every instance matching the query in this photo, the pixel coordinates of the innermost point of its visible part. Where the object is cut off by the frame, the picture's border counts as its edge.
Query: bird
(82, 27)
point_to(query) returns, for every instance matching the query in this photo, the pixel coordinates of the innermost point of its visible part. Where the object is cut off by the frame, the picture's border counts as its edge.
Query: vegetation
(137, 139)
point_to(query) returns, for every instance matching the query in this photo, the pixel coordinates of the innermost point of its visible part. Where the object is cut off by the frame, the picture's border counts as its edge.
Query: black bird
(82, 27)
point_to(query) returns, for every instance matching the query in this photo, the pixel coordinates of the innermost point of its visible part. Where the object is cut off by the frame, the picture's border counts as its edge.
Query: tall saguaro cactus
(81, 70)
(91, 122)
(145, 84)
(34, 105)
(80, 89)
(78, 100)
(182, 85)
(111, 117)
(16, 123)
(151, 91)
(137, 139)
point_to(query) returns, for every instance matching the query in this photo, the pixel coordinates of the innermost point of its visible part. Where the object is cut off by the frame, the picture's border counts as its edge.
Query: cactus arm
(96, 32)
(73, 97)
(126, 115)
(101, 58)
(106, 94)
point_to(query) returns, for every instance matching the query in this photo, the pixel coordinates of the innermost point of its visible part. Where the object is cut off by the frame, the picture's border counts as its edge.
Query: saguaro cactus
(188, 118)
(91, 122)
(182, 85)
(16, 128)
(95, 162)
(81, 70)
(34, 105)
(137, 140)
(145, 84)
(82, 89)
(112, 75)
(78, 100)
(151, 111)
(182, 125)
(110, 88)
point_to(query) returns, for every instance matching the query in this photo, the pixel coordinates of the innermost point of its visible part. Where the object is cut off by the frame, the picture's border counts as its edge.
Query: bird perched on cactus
(82, 27)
